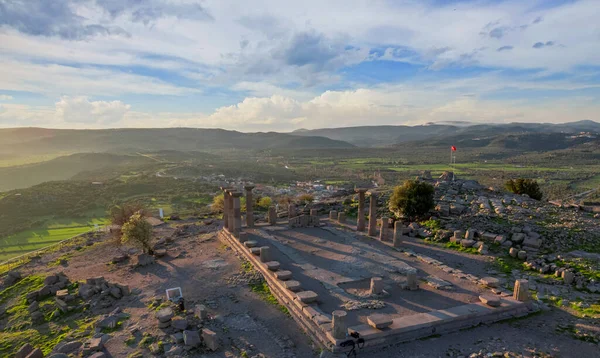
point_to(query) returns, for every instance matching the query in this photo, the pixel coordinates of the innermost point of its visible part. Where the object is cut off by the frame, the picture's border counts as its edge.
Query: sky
(279, 65)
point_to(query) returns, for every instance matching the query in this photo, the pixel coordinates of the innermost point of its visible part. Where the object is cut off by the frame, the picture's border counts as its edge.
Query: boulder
(499, 240)
(179, 323)
(483, 249)
(12, 277)
(144, 259)
(522, 255)
(86, 291)
(513, 252)
(70, 347)
(467, 243)
(532, 242)
(24, 351)
(51, 280)
(517, 238)
(36, 353)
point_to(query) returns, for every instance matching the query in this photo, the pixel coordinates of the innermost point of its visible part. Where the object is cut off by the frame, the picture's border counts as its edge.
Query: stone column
(341, 217)
(360, 221)
(230, 210)
(237, 214)
(265, 254)
(521, 292)
(333, 215)
(373, 215)
(376, 285)
(411, 280)
(249, 206)
(225, 208)
(339, 325)
(272, 215)
(385, 222)
(291, 211)
(398, 233)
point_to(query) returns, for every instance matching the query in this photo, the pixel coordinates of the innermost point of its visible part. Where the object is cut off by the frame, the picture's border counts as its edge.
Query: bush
(120, 214)
(413, 199)
(138, 231)
(265, 202)
(524, 186)
(218, 204)
(306, 198)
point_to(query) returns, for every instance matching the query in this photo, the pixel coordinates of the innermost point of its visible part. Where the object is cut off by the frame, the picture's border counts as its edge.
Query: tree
(138, 231)
(120, 214)
(413, 198)
(306, 198)
(524, 186)
(265, 202)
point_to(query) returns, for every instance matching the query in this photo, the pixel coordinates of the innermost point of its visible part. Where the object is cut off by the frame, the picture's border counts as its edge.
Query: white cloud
(81, 110)
(4, 97)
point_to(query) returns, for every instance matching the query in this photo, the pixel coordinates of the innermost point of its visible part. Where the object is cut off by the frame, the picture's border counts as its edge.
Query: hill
(374, 136)
(35, 141)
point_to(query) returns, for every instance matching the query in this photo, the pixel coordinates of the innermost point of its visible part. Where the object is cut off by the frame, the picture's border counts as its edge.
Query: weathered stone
(70, 347)
(507, 243)
(243, 237)
(160, 252)
(249, 206)
(339, 325)
(272, 215)
(412, 282)
(165, 314)
(62, 305)
(115, 292)
(50, 280)
(521, 290)
(384, 228)
(201, 312)
(398, 238)
(467, 243)
(177, 337)
(86, 291)
(341, 217)
(492, 301)
(62, 293)
(491, 282)
(95, 344)
(372, 215)
(307, 296)
(144, 259)
(164, 325)
(333, 215)
(568, 277)
(37, 316)
(483, 249)
(191, 338)
(293, 285)
(283, 275)
(499, 239)
(522, 255)
(376, 286)
(517, 238)
(513, 252)
(532, 242)
(380, 321)
(210, 339)
(250, 243)
(34, 306)
(12, 277)
(36, 353)
(98, 355)
(179, 323)
(272, 265)
(360, 221)
(470, 234)
(265, 254)
(255, 251)
(24, 351)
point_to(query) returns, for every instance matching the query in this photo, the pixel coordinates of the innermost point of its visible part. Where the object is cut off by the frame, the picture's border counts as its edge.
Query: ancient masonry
(333, 330)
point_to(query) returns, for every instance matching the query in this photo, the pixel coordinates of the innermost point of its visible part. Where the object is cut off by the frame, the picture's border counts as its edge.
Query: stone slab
(283, 275)
(307, 296)
(293, 285)
(250, 243)
(272, 265)
(380, 321)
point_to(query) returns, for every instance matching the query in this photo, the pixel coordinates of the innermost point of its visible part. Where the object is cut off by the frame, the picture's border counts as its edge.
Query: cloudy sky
(280, 65)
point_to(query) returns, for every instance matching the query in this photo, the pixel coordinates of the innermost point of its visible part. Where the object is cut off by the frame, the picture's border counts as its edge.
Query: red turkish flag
(453, 148)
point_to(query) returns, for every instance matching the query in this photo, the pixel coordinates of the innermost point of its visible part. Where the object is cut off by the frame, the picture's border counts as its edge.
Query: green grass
(458, 247)
(53, 232)
(507, 264)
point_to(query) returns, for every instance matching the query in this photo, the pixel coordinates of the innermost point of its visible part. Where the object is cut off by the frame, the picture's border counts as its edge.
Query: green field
(53, 232)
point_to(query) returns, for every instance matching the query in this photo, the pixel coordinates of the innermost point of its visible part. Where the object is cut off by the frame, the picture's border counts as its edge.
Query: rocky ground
(98, 299)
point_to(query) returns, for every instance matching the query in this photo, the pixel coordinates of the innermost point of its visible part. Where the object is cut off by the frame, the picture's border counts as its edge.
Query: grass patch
(432, 224)
(508, 263)
(262, 289)
(458, 247)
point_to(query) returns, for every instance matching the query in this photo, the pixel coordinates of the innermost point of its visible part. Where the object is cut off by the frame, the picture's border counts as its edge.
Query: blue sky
(281, 65)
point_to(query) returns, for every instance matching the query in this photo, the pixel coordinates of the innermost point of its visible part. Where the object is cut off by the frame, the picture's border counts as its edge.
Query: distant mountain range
(375, 136)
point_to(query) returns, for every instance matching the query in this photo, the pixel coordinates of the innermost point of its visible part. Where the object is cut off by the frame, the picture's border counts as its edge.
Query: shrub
(218, 204)
(524, 186)
(138, 231)
(265, 202)
(120, 214)
(413, 199)
(306, 198)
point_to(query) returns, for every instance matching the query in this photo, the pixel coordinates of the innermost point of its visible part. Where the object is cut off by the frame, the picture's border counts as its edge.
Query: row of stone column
(372, 227)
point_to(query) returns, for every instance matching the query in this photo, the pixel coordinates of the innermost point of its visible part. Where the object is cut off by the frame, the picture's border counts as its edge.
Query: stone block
(191, 338)
(513, 252)
(95, 344)
(467, 243)
(177, 337)
(341, 217)
(376, 286)
(165, 314)
(144, 260)
(293, 285)
(255, 251)
(163, 325)
(490, 300)
(201, 312)
(333, 215)
(179, 323)
(568, 277)
(307, 296)
(491, 282)
(272, 265)
(250, 243)
(532, 242)
(210, 339)
(36, 353)
(339, 324)
(283, 275)
(62, 305)
(522, 255)
(243, 237)
(50, 280)
(265, 254)
(380, 321)
(499, 239)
